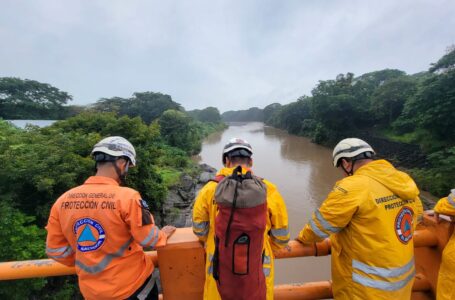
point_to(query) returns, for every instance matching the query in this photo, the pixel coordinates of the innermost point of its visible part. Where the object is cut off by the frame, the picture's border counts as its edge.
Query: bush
(20, 239)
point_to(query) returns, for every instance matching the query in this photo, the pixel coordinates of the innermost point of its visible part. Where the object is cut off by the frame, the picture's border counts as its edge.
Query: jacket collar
(228, 171)
(101, 180)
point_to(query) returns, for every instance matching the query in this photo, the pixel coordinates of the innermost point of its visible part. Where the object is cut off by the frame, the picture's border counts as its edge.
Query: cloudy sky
(225, 53)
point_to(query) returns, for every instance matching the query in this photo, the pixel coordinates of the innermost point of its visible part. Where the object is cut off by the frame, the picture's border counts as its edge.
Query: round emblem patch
(90, 234)
(403, 224)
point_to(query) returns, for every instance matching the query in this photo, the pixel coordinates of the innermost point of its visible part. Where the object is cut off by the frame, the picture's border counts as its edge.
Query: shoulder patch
(146, 215)
(404, 224)
(144, 204)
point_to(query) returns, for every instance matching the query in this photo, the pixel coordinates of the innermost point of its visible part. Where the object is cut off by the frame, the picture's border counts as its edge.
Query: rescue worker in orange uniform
(370, 217)
(276, 236)
(101, 229)
(446, 278)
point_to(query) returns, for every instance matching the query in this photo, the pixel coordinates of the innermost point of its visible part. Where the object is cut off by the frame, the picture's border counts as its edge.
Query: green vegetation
(30, 99)
(148, 105)
(249, 115)
(39, 164)
(20, 239)
(381, 106)
(208, 115)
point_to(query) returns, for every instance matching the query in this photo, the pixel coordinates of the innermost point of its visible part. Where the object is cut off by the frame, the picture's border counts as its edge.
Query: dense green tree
(445, 63)
(433, 107)
(377, 78)
(40, 164)
(208, 115)
(20, 239)
(147, 105)
(389, 98)
(114, 104)
(253, 114)
(334, 104)
(270, 113)
(30, 99)
(292, 115)
(438, 178)
(176, 129)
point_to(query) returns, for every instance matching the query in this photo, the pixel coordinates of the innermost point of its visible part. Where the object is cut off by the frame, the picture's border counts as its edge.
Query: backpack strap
(234, 202)
(217, 178)
(238, 177)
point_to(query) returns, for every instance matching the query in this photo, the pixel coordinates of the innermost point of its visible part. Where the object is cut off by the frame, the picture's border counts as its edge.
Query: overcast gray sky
(228, 54)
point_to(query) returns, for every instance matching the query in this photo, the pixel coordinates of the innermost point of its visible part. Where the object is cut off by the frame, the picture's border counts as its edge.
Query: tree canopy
(251, 114)
(209, 114)
(147, 105)
(30, 99)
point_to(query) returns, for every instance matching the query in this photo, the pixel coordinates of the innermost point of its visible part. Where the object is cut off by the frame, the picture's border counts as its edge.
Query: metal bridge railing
(184, 253)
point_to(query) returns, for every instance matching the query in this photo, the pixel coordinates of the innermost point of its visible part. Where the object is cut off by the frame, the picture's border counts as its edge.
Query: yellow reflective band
(382, 285)
(326, 225)
(149, 237)
(145, 292)
(210, 269)
(317, 231)
(281, 232)
(157, 235)
(67, 253)
(55, 250)
(283, 242)
(201, 233)
(451, 198)
(200, 225)
(385, 273)
(105, 261)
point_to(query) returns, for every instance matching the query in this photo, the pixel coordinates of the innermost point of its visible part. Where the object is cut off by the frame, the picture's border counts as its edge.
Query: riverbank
(178, 206)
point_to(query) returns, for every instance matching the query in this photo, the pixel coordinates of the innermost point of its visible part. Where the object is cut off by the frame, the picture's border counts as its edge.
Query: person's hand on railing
(439, 217)
(168, 230)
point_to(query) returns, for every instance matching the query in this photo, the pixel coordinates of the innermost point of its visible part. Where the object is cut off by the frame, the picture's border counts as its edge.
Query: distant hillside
(253, 114)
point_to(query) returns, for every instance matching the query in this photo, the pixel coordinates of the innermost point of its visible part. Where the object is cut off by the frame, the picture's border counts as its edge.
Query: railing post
(182, 266)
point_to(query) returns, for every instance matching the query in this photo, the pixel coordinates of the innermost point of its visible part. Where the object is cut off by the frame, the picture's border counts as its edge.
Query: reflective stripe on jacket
(276, 235)
(370, 218)
(101, 228)
(446, 277)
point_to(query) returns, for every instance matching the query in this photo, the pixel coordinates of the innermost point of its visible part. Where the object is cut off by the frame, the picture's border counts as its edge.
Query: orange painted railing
(182, 261)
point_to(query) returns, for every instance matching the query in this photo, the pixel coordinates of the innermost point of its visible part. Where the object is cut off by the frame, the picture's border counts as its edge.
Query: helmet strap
(121, 175)
(351, 171)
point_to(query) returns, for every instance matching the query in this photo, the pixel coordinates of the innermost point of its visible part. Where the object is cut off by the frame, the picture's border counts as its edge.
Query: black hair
(363, 155)
(101, 157)
(240, 159)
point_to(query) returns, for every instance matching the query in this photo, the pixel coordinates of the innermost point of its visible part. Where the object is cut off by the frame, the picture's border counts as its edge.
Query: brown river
(304, 175)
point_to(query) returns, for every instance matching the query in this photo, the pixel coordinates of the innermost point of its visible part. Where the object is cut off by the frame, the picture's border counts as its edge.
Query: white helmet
(349, 148)
(116, 146)
(237, 146)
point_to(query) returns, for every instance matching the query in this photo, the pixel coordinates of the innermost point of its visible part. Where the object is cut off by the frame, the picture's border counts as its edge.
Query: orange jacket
(101, 228)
